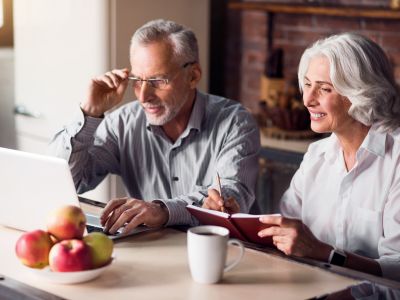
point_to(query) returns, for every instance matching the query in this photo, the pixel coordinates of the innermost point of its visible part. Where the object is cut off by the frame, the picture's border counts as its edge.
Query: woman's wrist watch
(337, 257)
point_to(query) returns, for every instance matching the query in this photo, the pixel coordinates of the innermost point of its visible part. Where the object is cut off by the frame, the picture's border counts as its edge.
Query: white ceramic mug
(207, 248)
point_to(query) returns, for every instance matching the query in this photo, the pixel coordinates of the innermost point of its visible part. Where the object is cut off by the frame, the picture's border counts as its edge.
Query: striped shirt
(221, 136)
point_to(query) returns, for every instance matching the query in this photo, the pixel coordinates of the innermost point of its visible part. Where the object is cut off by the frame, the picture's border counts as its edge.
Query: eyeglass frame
(152, 81)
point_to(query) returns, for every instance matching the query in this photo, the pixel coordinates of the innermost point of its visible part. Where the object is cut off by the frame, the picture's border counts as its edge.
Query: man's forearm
(73, 141)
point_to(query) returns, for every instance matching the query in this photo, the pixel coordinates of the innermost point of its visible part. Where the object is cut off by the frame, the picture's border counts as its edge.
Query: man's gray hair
(182, 39)
(360, 71)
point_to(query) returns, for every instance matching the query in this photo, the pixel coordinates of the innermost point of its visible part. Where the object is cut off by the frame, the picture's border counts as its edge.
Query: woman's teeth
(317, 115)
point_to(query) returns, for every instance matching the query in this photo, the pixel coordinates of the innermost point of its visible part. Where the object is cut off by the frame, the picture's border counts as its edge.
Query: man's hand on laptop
(129, 213)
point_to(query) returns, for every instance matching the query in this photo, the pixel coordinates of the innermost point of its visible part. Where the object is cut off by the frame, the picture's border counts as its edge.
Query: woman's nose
(309, 97)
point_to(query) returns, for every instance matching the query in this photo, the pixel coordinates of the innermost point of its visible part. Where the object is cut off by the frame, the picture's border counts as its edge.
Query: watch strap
(337, 257)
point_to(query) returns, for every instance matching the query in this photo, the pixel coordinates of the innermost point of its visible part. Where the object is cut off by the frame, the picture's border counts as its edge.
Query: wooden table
(153, 265)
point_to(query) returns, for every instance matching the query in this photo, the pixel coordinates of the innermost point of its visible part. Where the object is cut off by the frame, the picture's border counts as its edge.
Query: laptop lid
(31, 186)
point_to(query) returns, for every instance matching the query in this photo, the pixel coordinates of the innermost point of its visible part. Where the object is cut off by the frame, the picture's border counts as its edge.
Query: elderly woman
(343, 204)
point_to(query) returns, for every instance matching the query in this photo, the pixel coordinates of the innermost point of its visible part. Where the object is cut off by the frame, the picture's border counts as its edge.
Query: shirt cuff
(85, 126)
(178, 214)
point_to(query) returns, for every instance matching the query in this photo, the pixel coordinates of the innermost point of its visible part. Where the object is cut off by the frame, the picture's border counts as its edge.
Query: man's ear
(195, 75)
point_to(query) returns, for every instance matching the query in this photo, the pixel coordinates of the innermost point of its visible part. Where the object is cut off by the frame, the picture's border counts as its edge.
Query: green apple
(101, 248)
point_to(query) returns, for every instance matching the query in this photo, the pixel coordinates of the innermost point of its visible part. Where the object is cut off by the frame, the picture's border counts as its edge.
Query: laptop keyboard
(93, 225)
(91, 228)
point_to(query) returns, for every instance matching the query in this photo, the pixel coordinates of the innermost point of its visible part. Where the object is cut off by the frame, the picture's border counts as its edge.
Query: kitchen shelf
(338, 11)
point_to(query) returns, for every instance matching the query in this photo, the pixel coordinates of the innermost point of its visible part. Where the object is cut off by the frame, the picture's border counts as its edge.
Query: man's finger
(133, 223)
(114, 79)
(110, 206)
(122, 86)
(231, 205)
(213, 204)
(124, 216)
(216, 197)
(214, 194)
(122, 73)
(108, 81)
(99, 82)
(206, 203)
(115, 215)
(108, 223)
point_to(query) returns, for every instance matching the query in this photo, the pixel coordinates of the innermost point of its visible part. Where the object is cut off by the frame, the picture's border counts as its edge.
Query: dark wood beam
(339, 11)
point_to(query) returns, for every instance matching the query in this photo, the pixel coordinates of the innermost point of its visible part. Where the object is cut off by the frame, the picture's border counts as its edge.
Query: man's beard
(169, 113)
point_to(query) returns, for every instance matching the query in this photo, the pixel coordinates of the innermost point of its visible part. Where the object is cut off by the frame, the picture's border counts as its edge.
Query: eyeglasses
(155, 83)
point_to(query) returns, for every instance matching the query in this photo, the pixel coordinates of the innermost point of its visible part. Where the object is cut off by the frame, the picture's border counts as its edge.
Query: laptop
(33, 185)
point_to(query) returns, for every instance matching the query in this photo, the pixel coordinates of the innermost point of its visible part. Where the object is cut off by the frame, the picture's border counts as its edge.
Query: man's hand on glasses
(105, 92)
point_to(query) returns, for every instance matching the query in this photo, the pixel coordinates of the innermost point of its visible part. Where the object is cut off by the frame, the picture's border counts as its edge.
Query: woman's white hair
(360, 71)
(182, 39)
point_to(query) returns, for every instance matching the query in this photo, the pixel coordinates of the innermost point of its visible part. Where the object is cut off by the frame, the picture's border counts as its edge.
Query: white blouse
(357, 211)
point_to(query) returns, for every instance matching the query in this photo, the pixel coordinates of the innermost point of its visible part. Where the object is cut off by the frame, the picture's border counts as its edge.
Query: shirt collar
(198, 112)
(196, 116)
(330, 148)
(374, 142)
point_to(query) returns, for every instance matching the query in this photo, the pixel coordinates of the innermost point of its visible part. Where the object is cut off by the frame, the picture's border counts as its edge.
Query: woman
(343, 204)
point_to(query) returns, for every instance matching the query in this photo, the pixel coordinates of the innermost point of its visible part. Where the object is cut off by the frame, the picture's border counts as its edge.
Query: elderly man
(167, 146)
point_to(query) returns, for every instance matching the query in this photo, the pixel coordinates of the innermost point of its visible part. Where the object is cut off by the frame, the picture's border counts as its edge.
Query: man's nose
(144, 91)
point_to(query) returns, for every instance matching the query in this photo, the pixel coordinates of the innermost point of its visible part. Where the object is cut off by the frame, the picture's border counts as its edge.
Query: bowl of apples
(63, 254)
(68, 277)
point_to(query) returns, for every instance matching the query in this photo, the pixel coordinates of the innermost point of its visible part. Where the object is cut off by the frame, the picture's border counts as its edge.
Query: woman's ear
(195, 75)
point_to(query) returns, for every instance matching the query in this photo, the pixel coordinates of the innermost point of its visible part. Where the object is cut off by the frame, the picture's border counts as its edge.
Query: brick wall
(246, 49)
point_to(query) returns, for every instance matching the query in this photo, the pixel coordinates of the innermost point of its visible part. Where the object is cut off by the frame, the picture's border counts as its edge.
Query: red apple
(67, 222)
(33, 248)
(101, 248)
(70, 256)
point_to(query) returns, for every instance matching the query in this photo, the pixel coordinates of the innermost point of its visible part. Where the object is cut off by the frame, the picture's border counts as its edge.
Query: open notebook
(33, 185)
(241, 226)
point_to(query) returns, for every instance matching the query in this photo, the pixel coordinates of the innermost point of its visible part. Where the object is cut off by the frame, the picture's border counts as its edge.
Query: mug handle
(232, 264)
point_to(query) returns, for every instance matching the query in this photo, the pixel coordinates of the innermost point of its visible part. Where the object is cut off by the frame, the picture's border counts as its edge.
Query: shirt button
(67, 148)
(79, 123)
(175, 178)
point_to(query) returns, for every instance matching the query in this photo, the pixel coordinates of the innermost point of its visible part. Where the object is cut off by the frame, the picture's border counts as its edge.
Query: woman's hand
(215, 202)
(294, 238)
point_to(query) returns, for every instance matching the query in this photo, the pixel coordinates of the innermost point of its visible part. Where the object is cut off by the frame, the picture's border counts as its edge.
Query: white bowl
(68, 277)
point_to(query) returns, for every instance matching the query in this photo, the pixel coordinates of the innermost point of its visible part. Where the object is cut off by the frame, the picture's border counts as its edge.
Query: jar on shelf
(394, 4)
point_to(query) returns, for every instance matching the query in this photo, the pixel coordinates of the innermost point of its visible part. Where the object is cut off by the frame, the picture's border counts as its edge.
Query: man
(168, 145)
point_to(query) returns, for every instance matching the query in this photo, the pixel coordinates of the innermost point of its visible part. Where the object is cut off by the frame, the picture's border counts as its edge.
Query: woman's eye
(326, 90)
(306, 84)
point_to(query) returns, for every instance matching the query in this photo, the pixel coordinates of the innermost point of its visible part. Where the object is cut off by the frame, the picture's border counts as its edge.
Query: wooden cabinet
(279, 160)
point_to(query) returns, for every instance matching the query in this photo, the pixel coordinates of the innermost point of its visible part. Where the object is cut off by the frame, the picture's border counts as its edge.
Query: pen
(220, 189)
